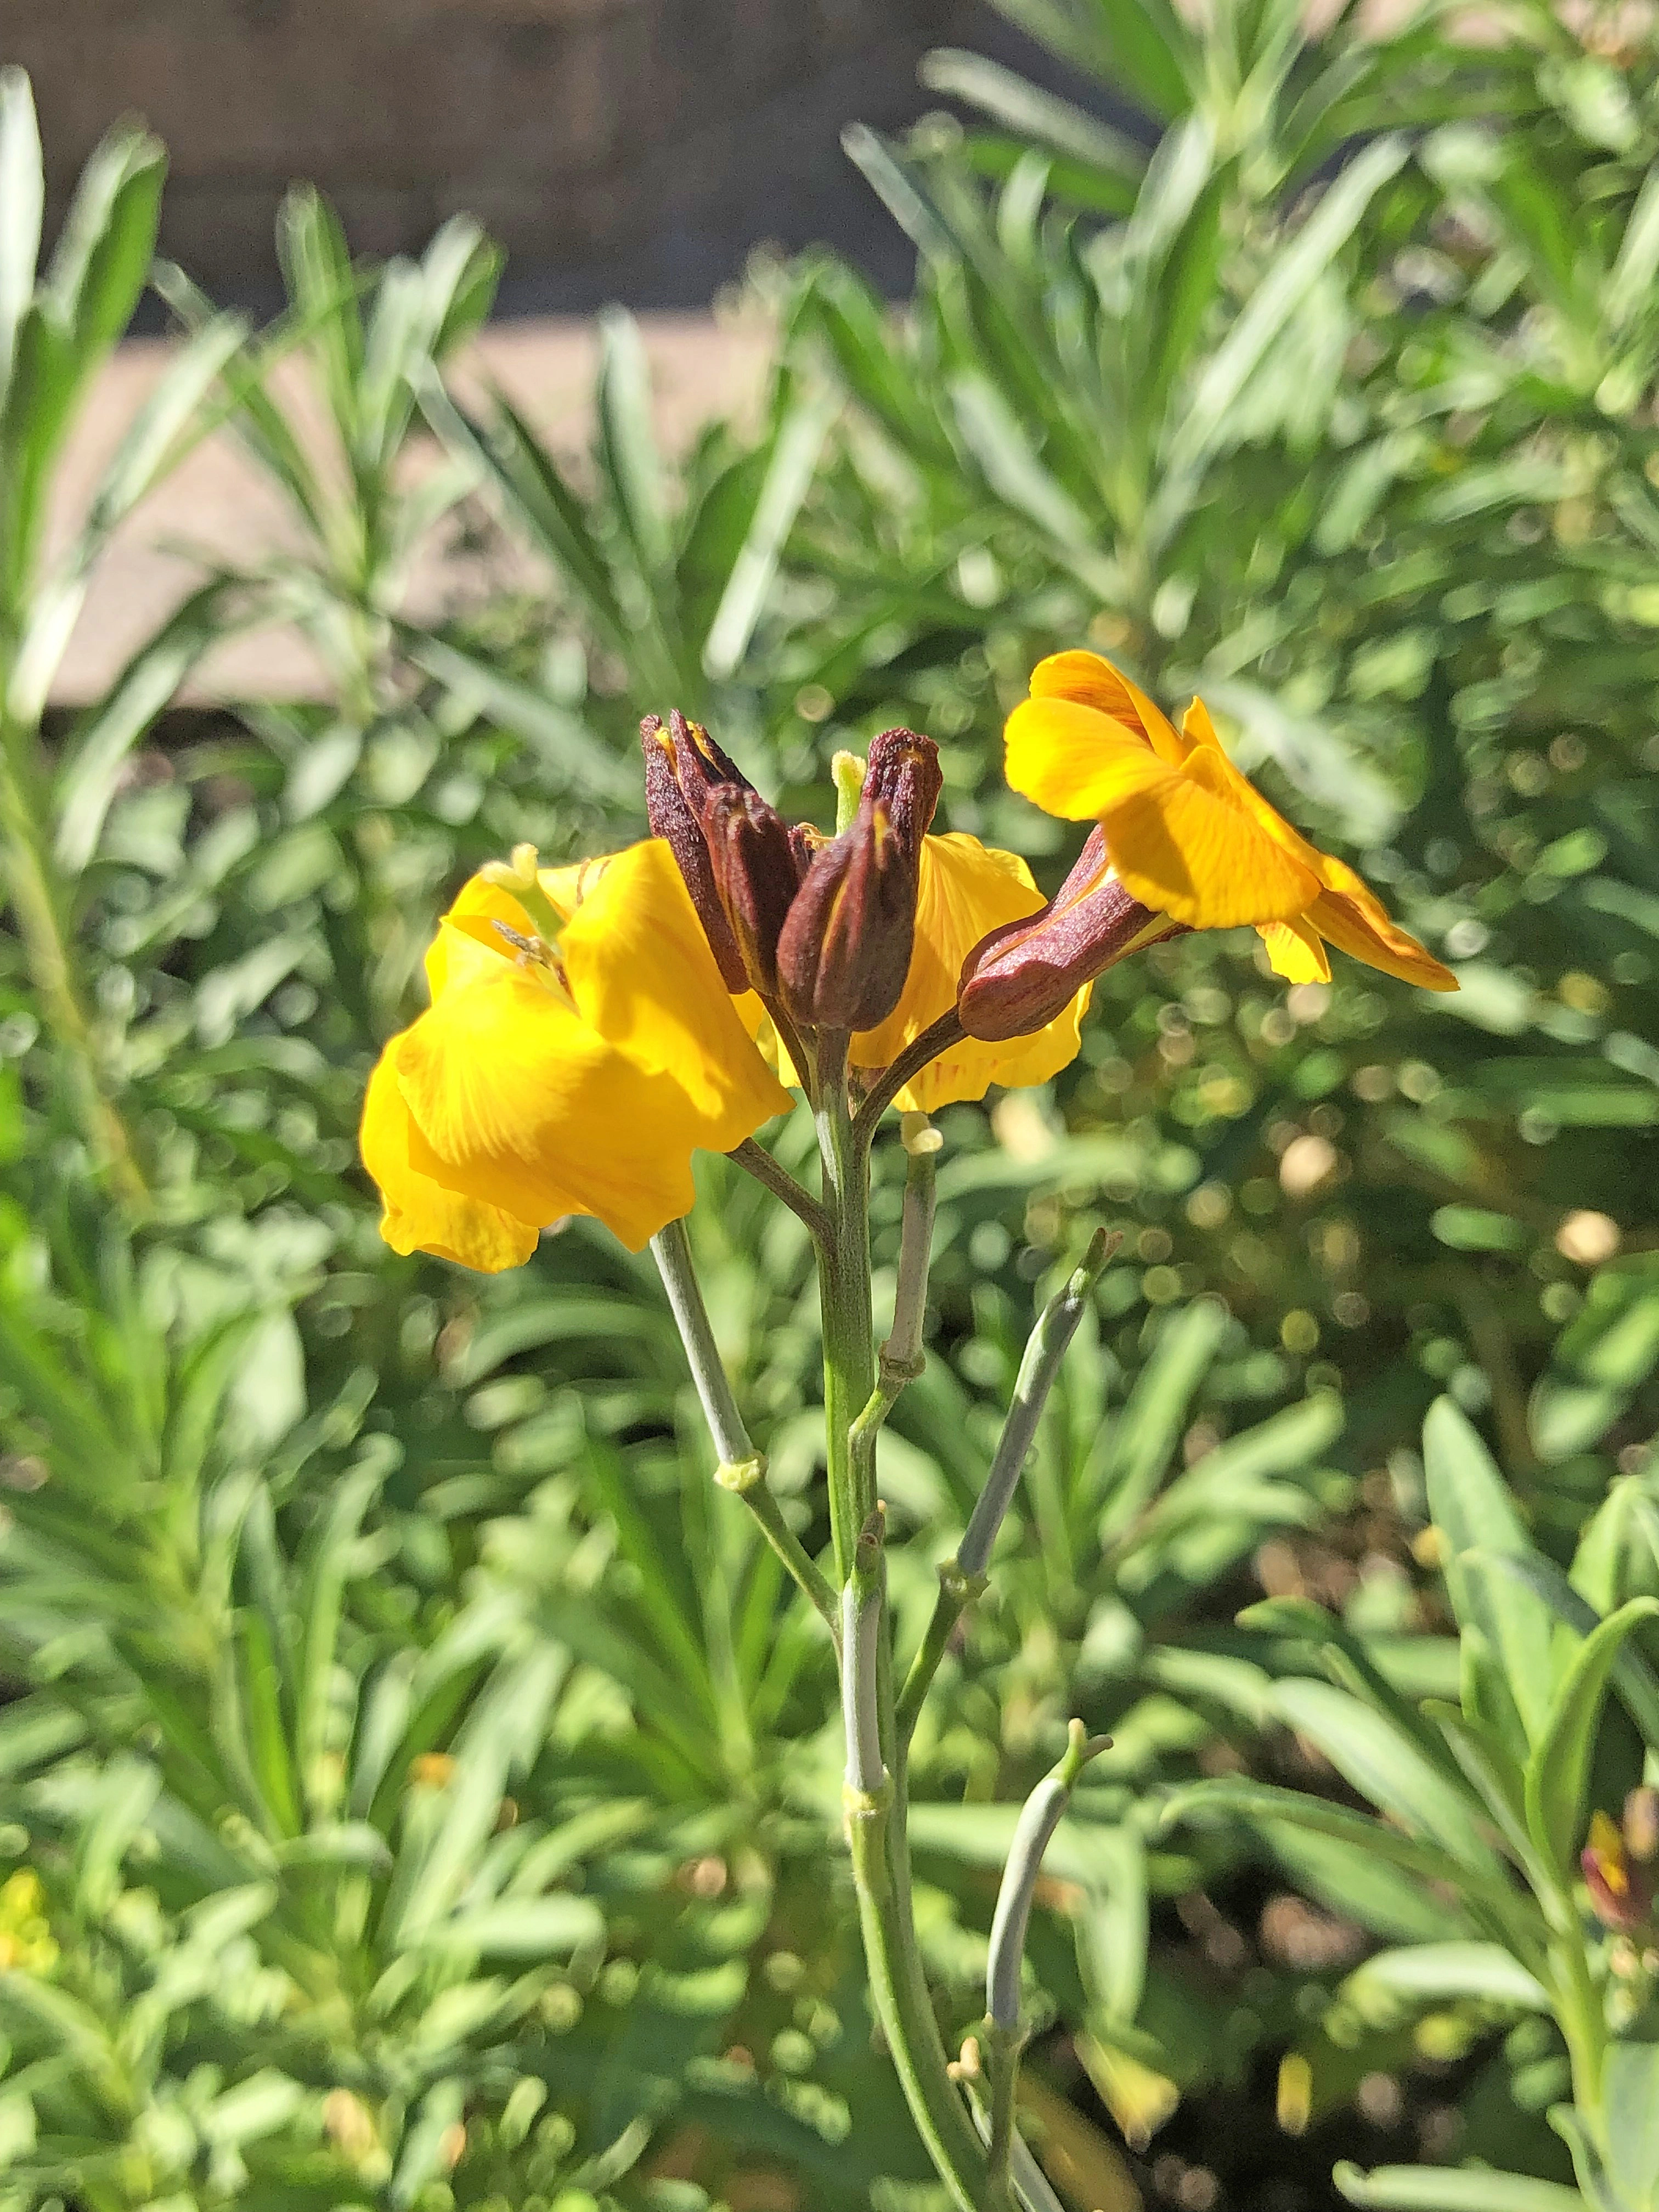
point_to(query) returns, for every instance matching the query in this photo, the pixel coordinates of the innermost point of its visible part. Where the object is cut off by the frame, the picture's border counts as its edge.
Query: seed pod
(1015, 979)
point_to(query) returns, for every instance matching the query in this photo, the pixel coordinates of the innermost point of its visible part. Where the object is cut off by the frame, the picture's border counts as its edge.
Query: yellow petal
(468, 942)
(1198, 726)
(965, 890)
(750, 1010)
(1350, 913)
(968, 1070)
(1089, 681)
(421, 1215)
(567, 887)
(517, 1103)
(1296, 951)
(644, 980)
(1183, 844)
(1069, 759)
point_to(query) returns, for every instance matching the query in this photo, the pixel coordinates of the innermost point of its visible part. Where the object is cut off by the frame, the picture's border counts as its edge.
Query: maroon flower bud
(1016, 981)
(845, 950)
(757, 875)
(683, 765)
(901, 773)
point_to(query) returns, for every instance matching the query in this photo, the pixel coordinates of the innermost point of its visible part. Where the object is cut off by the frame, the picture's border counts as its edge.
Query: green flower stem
(742, 1469)
(903, 1350)
(756, 1161)
(876, 1795)
(943, 1034)
(1038, 1820)
(38, 903)
(863, 1620)
(962, 1578)
(849, 1358)
(1002, 2074)
(879, 1852)
(1579, 2007)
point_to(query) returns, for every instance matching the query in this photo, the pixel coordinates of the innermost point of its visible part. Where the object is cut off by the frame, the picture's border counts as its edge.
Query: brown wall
(617, 148)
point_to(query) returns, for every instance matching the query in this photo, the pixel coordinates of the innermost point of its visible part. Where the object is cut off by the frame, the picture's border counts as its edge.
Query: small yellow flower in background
(1186, 834)
(580, 1047)
(26, 1940)
(966, 891)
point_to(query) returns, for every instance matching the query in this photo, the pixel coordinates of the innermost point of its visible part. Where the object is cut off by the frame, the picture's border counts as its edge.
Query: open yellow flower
(572, 1060)
(966, 891)
(1186, 834)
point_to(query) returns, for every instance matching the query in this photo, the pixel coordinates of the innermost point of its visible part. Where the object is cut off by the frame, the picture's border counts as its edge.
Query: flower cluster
(591, 1027)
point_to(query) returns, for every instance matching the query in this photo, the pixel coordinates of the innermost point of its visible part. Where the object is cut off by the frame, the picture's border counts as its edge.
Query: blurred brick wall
(628, 149)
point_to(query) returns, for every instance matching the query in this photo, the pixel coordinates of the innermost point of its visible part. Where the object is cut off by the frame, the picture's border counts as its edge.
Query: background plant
(1358, 436)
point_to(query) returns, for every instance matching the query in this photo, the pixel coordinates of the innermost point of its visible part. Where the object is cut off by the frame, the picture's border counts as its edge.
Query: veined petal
(966, 1071)
(567, 887)
(1070, 759)
(468, 942)
(1296, 951)
(1202, 731)
(517, 1103)
(1182, 844)
(751, 1009)
(1086, 679)
(421, 1215)
(966, 891)
(644, 981)
(1351, 915)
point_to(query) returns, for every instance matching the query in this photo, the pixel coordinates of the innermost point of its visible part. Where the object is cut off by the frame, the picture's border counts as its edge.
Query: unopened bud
(1015, 979)
(683, 765)
(756, 876)
(902, 774)
(845, 950)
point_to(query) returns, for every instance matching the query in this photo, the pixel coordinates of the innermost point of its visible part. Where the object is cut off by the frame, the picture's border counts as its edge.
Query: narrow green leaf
(22, 199)
(628, 441)
(1287, 283)
(1557, 1773)
(1387, 1766)
(1474, 1512)
(1040, 118)
(1452, 2189)
(788, 479)
(86, 780)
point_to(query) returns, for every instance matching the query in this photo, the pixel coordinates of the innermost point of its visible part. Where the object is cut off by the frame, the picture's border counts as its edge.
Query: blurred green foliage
(421, 1787)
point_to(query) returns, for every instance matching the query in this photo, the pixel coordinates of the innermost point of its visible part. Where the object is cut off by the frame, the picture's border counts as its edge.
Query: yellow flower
(1186, 834)
(572, 1069)
(965, 890)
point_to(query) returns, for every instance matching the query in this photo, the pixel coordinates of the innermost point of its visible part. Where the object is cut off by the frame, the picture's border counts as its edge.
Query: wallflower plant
(591, 1027)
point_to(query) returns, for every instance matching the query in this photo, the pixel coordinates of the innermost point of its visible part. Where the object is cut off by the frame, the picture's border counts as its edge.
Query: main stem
(849, 1336)
(876, 1817)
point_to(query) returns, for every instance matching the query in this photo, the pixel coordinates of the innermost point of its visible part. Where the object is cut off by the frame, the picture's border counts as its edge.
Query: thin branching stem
(939, 1037)
(754, 1159)
(742, 1469)
(962, 1579)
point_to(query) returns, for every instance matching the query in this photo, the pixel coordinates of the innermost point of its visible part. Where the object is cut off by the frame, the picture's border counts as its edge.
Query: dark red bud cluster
(822, 928)
(1023, 974)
